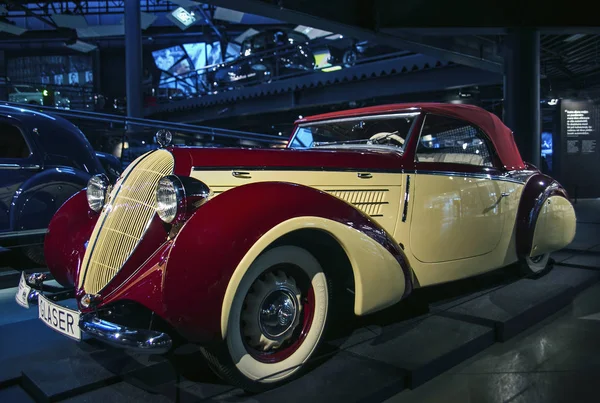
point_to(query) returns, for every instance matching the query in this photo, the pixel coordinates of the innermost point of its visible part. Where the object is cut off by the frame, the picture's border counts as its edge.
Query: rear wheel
(349, 58)
(276, 320)
(536, 266)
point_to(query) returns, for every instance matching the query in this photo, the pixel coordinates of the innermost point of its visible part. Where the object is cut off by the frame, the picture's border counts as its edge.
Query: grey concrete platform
(369, 360)
(427, 348)
(513, 308)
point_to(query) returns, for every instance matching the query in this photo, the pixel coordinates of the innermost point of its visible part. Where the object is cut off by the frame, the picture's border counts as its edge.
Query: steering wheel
(386, 136)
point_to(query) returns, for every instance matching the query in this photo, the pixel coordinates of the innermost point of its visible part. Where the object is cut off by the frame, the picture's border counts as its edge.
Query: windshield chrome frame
(414, 114)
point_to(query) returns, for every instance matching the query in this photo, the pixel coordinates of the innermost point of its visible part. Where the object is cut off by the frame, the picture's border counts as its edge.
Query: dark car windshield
(360, 132)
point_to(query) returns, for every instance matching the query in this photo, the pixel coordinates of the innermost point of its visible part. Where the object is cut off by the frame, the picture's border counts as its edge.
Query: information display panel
(580, 162)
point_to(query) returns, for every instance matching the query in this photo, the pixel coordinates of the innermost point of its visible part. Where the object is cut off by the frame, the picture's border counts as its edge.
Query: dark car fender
(67, 237)
(538, 189)
(40, 196)
(111, 164)
(218, 243)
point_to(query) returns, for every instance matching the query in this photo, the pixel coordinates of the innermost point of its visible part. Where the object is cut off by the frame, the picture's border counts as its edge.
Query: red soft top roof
(500, 135)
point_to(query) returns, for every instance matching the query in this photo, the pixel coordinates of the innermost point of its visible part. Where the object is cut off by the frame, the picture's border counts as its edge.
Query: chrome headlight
(96, 191)
(179, 196)
(169, 198)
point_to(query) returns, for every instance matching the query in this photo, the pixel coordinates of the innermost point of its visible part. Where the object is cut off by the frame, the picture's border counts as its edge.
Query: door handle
(364, 175)
(240, 174)
(504, 194)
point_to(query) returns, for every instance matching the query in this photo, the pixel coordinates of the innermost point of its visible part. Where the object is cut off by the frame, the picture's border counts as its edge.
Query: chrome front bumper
(138, 340)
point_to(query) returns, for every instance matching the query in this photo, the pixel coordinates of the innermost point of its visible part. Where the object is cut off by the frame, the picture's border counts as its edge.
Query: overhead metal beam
(445, 31)
(29, 13)
(440, 79)
(455, 31)
(209, 21)
(292, 16)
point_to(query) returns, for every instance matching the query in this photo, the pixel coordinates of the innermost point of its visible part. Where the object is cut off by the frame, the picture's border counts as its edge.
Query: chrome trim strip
(513, 176)
(28, 232)
(10, 166)
(139, 340)
(539, 202)
(365, 117)
(17, 166)
(504, 177)
(406, 198)
(293, 168)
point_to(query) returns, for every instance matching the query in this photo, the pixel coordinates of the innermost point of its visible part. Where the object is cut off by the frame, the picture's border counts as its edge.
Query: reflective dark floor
(558, 360)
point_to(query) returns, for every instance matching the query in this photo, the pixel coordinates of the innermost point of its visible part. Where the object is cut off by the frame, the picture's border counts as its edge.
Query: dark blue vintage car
(44, 160)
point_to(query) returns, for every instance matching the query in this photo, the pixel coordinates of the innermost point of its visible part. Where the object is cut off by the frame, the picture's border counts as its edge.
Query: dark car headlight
(176, 196)
(97, 189)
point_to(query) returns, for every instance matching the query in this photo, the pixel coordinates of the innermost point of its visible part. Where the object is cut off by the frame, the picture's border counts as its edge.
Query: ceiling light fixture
(182, 18)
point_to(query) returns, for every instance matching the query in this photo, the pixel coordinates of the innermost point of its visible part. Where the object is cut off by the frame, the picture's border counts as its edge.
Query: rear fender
(218, 243)
(539, 190)
(67, 237)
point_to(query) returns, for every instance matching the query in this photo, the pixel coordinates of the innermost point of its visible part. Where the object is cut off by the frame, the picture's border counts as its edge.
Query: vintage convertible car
(44, 160)
(248, 252)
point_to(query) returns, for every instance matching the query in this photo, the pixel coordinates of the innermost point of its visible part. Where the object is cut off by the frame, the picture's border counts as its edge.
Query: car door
(17, 164)
(457, 205)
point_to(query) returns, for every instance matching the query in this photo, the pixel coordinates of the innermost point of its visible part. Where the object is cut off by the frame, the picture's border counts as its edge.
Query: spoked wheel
(276, 321)
(536, 266)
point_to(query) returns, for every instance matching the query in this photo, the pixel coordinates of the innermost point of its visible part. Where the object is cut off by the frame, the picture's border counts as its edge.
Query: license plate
(23, 292)
(59, 318)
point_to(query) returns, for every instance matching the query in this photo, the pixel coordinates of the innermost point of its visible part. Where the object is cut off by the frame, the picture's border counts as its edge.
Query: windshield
(369, 131)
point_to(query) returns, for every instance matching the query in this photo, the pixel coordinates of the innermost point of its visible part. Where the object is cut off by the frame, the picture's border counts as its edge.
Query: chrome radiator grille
(371, 202)
(123, 222)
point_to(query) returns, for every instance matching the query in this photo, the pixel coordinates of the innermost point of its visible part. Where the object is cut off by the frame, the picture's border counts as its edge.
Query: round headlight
(96, 191)
(169, 197)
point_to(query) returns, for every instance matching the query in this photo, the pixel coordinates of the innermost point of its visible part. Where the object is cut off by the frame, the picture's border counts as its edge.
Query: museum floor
(496, 338)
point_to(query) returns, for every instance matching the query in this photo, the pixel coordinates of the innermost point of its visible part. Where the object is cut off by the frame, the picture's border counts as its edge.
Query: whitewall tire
(536, 265)
(276, 321)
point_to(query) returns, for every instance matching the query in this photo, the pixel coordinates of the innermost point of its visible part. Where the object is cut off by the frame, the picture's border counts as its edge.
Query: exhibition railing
(127, 138)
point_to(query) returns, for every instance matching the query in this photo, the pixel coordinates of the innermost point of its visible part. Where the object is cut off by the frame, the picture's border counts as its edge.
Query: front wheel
(276, 320)
(536, 266)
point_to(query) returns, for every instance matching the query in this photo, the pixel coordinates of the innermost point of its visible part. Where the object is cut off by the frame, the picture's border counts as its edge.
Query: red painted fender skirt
(214, 240)
(537, 190)
(68, 231)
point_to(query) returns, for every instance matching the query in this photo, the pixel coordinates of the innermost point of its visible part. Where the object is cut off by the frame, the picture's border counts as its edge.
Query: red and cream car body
(247, 252)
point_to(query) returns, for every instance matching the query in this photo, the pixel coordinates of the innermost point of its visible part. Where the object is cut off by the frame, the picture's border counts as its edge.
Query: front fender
(38, 198)
(218, 243)
(538, 190)
(67, 237)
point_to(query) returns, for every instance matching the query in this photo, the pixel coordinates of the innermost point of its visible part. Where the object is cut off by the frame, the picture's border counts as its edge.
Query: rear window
(12, 142)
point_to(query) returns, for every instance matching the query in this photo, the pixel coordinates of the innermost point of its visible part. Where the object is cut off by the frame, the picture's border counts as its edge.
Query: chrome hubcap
(277, 313)
(271, 311)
